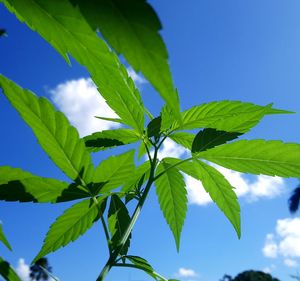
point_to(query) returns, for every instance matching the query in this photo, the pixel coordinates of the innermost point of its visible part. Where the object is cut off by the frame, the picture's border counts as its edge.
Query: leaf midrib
(73, 35)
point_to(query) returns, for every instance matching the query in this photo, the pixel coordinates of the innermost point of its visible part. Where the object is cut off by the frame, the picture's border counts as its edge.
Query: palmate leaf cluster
(209, 131)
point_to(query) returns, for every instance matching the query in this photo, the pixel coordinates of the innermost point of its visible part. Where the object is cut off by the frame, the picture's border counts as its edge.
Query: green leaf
(220, 191)
(132, 29)
(215, 184)
(143, 264)
(74, 222)
(116, 120)
(118, 221)
(116, 170)
(209, 138)
(7, 272)
(3, 238)
(18, 185)
(183, 138)
(64, 27)
(55, 134)
(110, 138)
(273, 158)
(141, 172)
(172, 197)
(229, 116)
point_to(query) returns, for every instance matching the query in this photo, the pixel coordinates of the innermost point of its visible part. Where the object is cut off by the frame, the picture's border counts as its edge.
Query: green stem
(103, 224)
(172, 166)
(141, 268)
(113, 256)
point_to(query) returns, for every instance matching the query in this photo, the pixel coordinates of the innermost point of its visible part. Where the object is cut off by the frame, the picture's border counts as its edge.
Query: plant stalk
(113, 256)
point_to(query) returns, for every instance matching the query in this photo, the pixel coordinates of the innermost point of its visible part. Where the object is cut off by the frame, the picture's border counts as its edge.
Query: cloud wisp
(186, 273)
(284, 242)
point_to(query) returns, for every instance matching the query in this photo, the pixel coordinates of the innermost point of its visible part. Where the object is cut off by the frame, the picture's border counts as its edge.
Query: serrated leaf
(18, 185)
(3, 239)
(209, 138)
(183, 138)
(273, 158)
(141, 172)
(137, 38)
(55, 134)
(229, 116)
(221, 192)
(143, 264)
(118, 221)
(7, 272)
(74, 222)
(153, 128)
(110, 138)
(116, 120)
(64, 27)
(216, 185)
(172, 197)
(115, 170)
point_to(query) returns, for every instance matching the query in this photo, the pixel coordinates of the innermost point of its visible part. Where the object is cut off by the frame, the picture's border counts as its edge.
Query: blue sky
(237, 50)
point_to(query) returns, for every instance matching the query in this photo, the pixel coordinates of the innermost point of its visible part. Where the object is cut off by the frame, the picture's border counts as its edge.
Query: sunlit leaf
(172, 197)
(7, 272)
(3, 239)
(74, 222)
(132, 29)
(143, 264)
(116, 170)
(55, 134)
(110, 138)
(220, 191)
(183, 138)
(209, 138)
(64, 27)
(273, 158)
(216, 185)
(140, 172)
(229, 116)
(118, 221)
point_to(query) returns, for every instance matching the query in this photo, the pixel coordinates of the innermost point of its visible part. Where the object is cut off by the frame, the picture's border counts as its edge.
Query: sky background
(237, 50)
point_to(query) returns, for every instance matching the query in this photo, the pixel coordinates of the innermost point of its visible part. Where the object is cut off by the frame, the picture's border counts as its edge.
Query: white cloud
(80, 101)
(290, 263)
(196, 193)
(285, 242)
(186, 272)
(171, 149)
(23, 270)
(270, 249)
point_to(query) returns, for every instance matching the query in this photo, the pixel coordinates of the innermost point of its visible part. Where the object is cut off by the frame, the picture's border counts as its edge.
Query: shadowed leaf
(7, 272)
(118, 221)
(18, 185)
(110, 138)
(209, 138)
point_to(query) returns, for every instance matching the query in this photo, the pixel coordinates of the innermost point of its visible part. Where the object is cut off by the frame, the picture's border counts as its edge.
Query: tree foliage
(129, 28)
